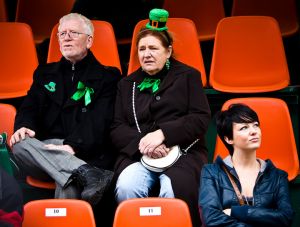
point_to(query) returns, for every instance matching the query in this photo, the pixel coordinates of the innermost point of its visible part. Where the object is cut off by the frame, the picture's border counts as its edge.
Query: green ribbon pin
(51, 86)
(82, 90)
(150, 83)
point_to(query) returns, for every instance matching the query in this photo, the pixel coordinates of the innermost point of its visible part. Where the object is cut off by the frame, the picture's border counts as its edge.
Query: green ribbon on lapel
(50, 87)
(150, 83)
(82, 90)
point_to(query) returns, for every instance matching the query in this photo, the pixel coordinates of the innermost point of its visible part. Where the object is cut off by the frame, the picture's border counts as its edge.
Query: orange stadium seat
(278, 141)
(40, 184)
(150, 212)
(42, 15)
(58, 213)
(104, 47)
(3, 11)
(186, 45)
(18, 59)
(7, 116)
(284, 11)
(205, 13)
(248, 56)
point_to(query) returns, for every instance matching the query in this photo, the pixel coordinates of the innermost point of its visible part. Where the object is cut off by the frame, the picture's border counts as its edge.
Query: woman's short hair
(164, 36)
(236, 113)
(88, 25)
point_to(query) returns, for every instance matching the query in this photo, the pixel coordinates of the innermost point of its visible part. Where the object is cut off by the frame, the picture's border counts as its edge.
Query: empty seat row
(248, 54)
(206, 14)
(44, 14)
(147, 212)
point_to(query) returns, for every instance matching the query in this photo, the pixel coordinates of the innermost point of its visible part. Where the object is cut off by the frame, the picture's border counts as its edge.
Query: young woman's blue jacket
(271, 206)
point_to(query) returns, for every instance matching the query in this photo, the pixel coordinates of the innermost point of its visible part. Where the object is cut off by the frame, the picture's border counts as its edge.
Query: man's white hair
(88, 25)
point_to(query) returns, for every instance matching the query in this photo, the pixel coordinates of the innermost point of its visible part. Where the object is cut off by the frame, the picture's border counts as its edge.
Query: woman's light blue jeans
(136, 181)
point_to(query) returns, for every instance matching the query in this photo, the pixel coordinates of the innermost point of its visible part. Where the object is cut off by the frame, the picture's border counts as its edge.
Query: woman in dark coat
(262, 188)
(170, 109)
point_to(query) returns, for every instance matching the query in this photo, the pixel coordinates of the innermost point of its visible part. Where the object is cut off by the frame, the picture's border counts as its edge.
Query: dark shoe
(94, 182)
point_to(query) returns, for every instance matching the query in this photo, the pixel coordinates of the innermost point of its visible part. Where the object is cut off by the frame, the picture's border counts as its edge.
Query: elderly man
(62, 127)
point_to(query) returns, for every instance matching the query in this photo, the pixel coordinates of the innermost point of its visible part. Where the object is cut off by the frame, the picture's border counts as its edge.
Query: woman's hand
(151, 141)
(66, 148)
(159, 152)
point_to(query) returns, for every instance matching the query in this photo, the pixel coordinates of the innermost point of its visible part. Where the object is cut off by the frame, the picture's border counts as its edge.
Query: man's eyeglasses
(72, 34)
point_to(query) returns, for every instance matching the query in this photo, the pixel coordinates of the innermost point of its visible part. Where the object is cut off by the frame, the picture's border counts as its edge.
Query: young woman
(262, 187)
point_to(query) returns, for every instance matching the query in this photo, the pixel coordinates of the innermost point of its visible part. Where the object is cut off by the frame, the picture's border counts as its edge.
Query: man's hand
(151, 141)
(20, 134)
(66, 148)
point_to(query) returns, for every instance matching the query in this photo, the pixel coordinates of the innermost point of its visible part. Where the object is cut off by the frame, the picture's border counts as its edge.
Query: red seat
(58, 213)
(40, 184)
(278, 141)
(248, 56)
(7, 116)
(42, 15)
(3, 11)
(18, 59)
(284, 11)
(150, 212)
(186, 45)
(205, 13)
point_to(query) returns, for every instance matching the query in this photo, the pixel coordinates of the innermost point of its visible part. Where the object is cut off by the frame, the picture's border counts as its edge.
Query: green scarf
(150, 83)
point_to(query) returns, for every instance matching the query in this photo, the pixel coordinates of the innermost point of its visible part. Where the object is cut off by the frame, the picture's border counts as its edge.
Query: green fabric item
(158, 19)
(150, 83)
(4, 155)
(82, 90)
(51, 86)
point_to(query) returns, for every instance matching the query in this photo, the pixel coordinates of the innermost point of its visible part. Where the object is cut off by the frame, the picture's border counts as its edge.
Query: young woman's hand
(227, 211)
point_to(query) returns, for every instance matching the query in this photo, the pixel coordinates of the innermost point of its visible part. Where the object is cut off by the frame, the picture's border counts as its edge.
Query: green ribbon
(82, 90)
(150, 83)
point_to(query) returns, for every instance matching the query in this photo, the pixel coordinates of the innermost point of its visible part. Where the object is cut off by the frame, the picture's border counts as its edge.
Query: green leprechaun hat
(158, 20)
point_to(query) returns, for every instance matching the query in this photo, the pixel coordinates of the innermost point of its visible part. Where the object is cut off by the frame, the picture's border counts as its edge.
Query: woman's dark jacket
(53, 114)
(271, 206)
(180, 109)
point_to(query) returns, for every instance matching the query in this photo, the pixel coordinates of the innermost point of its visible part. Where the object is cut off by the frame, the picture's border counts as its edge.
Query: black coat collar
(88, 62)
(53, 72)
(177, 68)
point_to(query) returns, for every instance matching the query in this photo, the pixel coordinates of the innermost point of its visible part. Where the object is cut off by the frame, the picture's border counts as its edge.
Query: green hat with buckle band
(158, 20)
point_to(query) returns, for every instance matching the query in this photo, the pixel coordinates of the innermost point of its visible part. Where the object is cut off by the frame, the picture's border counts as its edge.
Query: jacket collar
(229, 165)
(55, 74)
(86, 63)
